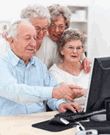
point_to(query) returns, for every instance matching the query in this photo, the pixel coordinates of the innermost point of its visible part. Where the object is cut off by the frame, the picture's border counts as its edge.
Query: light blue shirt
(23, 89)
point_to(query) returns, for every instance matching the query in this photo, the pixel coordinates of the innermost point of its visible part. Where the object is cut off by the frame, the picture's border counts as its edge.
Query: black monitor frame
(99, 85)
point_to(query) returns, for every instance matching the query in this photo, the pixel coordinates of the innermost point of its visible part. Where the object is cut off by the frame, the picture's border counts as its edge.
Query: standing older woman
(71, 48)
(60, 20)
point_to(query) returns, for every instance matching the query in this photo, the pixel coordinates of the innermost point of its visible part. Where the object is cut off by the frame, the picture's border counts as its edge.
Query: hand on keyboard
(68, 115)
(71, 106)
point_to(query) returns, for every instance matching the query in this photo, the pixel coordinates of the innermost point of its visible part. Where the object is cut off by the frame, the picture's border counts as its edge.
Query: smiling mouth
(57, 36)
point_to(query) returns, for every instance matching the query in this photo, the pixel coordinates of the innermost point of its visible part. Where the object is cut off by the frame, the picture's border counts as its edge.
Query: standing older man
(24, 80)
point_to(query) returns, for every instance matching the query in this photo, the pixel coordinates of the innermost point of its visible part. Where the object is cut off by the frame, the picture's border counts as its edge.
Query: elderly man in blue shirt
(25, 82)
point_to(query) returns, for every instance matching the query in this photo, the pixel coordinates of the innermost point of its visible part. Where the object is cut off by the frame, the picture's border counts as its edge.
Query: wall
(10, 10)
(65, 2)
(99, 27)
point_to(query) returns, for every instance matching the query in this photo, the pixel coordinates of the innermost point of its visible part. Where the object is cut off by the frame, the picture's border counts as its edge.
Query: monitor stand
(103, 117)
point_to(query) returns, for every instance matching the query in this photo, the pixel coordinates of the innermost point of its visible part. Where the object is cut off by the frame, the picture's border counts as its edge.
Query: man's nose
(33, 42)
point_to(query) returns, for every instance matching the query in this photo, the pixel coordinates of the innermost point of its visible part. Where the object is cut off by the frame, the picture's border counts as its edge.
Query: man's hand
(86, 64)
(67, 91)
(71, 106)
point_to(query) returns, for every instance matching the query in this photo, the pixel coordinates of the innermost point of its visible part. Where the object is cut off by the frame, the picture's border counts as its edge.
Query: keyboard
(70, 116)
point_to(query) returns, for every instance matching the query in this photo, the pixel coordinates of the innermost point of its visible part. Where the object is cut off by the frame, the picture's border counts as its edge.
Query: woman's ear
(62, 52)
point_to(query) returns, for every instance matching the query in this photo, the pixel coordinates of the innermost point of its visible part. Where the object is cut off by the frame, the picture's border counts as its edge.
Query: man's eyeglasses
(60, 27)
(38, 29)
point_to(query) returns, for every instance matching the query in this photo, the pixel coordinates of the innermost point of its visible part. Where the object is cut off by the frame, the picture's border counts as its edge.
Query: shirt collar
(14, 59)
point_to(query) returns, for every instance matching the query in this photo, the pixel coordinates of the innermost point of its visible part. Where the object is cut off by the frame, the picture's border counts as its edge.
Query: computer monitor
(99, 87)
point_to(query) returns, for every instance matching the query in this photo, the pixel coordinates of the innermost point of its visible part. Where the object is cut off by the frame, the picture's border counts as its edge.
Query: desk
(21, 125)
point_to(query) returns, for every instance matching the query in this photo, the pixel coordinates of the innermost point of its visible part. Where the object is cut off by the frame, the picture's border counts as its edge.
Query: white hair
(35, 11)
(13, 30)
(57, 10)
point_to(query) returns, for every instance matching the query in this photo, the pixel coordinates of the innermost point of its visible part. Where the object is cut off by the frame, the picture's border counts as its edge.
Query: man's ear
(10, 40)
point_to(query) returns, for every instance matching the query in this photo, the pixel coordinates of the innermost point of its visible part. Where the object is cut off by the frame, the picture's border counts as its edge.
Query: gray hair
(57, 10)
(68, 35)
(35, 11)
(13, 30)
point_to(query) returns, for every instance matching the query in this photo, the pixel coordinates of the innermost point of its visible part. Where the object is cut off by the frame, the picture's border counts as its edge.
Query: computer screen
(99, 87)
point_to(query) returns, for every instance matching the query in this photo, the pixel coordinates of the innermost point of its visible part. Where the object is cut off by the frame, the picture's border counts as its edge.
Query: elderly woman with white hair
(71, 45)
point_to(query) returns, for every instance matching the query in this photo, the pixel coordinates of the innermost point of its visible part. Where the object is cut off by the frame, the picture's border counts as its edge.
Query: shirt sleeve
(22, 93)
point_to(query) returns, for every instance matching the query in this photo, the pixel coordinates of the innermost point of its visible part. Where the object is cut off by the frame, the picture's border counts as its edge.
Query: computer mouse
(59, 121)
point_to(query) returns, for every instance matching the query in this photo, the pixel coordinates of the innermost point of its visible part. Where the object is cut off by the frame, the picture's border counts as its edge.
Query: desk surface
(21, 125)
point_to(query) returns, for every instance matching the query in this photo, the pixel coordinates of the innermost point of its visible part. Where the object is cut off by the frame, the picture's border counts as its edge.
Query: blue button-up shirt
(24, 88)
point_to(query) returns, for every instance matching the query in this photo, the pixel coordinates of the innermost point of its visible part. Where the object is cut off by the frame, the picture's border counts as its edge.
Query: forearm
(25, 94)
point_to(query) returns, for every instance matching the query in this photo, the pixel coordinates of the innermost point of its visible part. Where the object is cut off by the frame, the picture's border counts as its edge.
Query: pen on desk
(81, 126)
